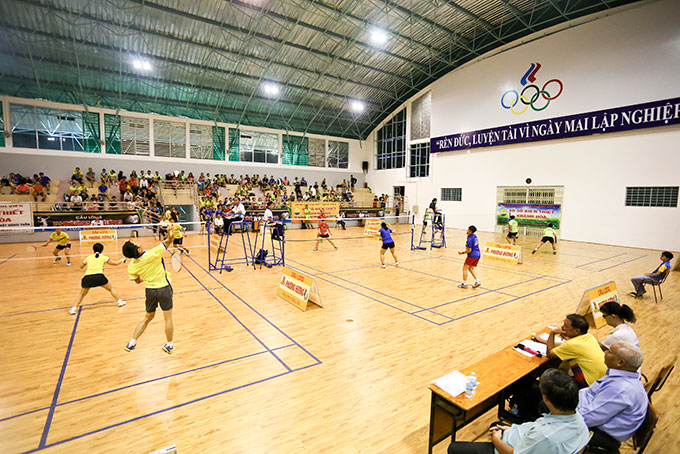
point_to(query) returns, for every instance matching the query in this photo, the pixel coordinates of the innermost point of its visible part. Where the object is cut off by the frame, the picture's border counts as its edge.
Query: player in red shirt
(324, 232)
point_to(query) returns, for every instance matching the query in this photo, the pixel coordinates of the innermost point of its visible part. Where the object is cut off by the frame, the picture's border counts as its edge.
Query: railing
(84, 206)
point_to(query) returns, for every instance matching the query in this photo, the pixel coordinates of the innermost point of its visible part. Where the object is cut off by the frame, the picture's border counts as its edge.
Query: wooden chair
(644, 433)
(659, 380)
(658, 284)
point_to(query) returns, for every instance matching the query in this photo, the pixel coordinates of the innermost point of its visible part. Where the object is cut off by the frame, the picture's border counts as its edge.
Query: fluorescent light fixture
(378, 36)
(271, 89)
(141, 64)
(357, 106)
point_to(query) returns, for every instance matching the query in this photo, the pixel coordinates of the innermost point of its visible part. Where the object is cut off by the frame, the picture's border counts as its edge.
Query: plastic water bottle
(471, 386)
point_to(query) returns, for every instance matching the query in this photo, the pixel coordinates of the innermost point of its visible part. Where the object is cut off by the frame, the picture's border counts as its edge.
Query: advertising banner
(529, 214)
(298, 289)
(13, 215)
(330, 209)
(508, 253)
(665, 112)
(67, 219)
(91, 236)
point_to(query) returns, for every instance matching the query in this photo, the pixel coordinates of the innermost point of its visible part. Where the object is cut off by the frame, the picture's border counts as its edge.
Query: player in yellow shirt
(63, 244)
(94, 276)
(179, 234)
(149, 267)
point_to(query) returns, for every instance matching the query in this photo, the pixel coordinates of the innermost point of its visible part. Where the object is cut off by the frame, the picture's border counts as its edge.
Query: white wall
(628, 57)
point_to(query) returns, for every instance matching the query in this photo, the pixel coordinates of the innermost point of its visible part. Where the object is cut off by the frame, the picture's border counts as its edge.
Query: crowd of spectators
(38, 186)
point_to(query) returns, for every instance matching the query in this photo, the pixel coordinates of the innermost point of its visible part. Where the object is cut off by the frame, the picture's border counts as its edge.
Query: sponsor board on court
(508, 253)
(298, 288)
(91, 236)
(371, 227)
(593, 299)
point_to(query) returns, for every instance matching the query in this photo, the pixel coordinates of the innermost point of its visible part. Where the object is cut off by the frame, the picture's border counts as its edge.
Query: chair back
(644, 433)
(657, 383)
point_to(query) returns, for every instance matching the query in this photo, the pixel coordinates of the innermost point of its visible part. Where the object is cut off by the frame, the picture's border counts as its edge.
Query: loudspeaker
(364, 166)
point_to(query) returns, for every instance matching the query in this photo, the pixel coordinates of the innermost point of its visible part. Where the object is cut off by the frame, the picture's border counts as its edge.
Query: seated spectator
(122, 185)
(38, 191)
(45, 181)
(82, 190)
(101, 198)
(23, 188)
(103, 189)
(616, 405)
(219, 224)
(113, 178)
(103, 175)
(655, 276)
(77, 175)
(91, 176)
(121, 175)
(580, 350)
(303, 182)
(76, 202)
(562, 431)
(616, 315)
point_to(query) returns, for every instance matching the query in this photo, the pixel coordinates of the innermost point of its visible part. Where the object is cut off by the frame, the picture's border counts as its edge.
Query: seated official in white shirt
(237, 214)
(618, 316)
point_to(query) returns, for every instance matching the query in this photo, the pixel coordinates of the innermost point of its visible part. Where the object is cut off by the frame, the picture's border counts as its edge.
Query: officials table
(495, 374)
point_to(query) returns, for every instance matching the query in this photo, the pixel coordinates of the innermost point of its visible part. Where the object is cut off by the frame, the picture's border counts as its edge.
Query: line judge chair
(658, 284)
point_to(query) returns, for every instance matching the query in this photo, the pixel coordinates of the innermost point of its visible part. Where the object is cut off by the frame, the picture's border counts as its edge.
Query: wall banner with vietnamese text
(638, 116)
(529, 214)
(14, 215)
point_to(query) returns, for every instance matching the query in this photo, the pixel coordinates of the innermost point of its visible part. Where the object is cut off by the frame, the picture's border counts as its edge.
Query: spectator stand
(277, 236)
(219, 243)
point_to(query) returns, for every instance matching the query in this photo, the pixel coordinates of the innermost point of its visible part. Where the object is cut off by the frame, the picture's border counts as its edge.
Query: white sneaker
(462, 285)
(396, 263)
(68, 263)
(382, 266)
(121, 303)
(73, 310)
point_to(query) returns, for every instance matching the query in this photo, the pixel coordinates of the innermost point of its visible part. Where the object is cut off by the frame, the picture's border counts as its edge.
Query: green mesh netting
(234, 137)
(91, 132)
(112, 131)
(218, 143)
(295, 150)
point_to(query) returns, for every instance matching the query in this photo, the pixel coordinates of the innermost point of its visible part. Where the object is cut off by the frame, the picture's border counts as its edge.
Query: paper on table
(453, 383)
(544, 337)
(535, 346)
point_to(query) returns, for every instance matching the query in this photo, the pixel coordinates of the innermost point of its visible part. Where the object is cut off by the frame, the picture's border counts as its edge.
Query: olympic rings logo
(531, 95)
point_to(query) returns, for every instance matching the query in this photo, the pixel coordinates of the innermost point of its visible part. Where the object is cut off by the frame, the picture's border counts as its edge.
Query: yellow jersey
(585, 358)
(95, 265)
(179, 231)
(62, 239)
(150, 267)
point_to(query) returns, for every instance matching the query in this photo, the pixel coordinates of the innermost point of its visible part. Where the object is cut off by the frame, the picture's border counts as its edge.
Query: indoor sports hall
(343, 209)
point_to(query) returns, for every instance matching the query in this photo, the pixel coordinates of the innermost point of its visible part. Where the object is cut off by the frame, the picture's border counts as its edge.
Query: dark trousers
(342, 224)
(603, 440)
(466, 447)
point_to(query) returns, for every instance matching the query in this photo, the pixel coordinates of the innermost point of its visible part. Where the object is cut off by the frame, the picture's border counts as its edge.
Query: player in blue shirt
(472, 259)
(387, 243)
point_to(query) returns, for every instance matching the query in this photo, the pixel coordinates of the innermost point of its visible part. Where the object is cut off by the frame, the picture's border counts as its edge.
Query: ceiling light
(141, 65)
(357, 106)
(271, 89)
(378, 36)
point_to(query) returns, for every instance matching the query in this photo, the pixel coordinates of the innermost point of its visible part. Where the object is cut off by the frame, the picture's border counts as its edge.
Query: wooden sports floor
(253, 374)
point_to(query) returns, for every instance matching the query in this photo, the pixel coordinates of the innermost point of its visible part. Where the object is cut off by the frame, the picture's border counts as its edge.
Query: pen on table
(528, 350)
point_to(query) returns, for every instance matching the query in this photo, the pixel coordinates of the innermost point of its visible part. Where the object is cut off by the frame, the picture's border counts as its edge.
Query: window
(391, 146)
(252, 146)
(45, 128)
(654, 196)
(295, 150)
(206, 142)
(126, 135)
(420, 160)
(420, 117)
(317, 153)
(169, 139)
(452, 194)
(338, 154)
